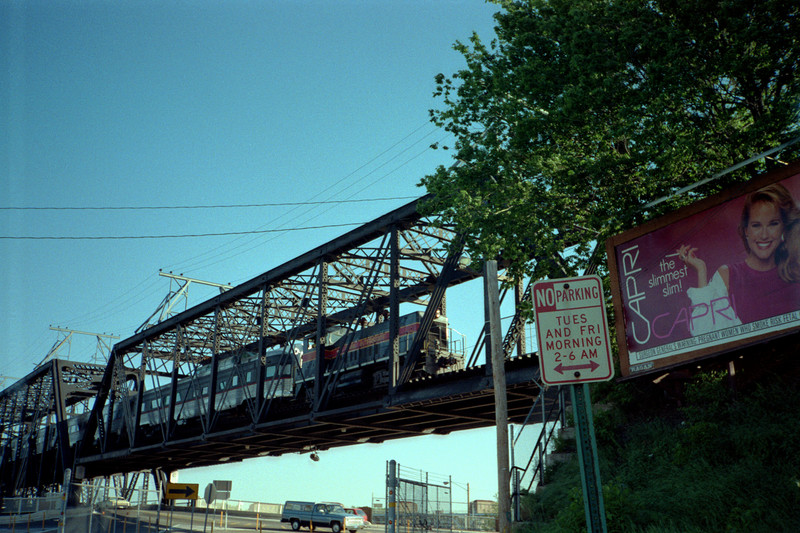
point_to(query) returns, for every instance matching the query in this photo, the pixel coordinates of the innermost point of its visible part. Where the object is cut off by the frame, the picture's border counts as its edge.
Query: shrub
(722, 462)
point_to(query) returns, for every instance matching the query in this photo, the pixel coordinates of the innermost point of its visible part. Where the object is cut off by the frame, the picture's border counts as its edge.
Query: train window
(177, 397)
(204, 391)
(270, 371)
(221, 385)
(166, 400)
(234, 381)
(154, 404)
(249, 377)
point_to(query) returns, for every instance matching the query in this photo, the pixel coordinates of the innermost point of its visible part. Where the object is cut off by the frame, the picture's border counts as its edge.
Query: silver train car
(359, 358)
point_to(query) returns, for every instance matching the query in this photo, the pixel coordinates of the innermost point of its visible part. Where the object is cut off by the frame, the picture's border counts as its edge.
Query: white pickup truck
(313, 515)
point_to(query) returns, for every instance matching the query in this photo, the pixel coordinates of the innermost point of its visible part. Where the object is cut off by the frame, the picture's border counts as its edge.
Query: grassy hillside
(699, 454)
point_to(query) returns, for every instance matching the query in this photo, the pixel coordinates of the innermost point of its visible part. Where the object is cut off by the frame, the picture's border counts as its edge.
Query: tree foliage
(723, 461)
(581, 112)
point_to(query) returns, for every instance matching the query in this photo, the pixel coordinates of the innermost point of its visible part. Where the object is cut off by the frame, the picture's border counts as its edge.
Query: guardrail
(242, 505)
(27, 505)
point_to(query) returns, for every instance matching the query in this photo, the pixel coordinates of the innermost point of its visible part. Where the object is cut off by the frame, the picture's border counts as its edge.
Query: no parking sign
(572, 329)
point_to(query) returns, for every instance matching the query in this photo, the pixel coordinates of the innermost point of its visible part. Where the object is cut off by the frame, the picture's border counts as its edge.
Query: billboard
(720, 273)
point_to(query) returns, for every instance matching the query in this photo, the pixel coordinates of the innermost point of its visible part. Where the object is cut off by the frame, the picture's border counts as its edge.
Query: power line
(181, 236)
(221, 206)
(145, 290)
(218, 258)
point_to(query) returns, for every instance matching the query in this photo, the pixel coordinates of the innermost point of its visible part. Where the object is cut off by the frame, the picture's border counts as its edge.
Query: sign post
(593, 505)
(574, 349)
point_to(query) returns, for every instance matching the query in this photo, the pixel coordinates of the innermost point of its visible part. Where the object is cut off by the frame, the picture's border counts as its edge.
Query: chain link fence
(425, 501)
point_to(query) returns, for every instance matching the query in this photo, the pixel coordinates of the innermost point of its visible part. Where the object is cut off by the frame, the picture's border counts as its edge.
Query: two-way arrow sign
(591, 366)
(182, 491)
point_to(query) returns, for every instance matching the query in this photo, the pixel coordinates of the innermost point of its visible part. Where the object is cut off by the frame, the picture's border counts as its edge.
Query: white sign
(572, 328)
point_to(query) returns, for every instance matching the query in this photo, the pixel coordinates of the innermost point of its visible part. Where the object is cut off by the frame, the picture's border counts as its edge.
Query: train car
(366, 352)
(237, 377)
(360, 358)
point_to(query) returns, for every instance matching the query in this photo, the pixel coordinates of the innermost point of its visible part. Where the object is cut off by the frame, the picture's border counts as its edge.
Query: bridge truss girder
(34, 437)
(397, 258)
(401, 257)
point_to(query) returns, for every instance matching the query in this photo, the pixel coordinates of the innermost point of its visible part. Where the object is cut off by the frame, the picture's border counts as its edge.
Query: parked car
(114, 503)
(325, 514)
(355, 511)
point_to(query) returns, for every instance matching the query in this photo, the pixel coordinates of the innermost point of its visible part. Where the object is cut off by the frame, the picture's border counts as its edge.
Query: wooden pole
(495, 354)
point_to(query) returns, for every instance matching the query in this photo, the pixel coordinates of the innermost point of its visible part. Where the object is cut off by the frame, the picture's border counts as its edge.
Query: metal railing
(537, 461)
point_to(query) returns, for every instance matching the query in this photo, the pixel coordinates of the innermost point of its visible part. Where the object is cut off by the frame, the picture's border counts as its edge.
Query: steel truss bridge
(130, 414)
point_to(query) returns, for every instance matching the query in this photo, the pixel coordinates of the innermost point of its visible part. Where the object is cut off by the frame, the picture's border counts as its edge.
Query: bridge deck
(439, 405)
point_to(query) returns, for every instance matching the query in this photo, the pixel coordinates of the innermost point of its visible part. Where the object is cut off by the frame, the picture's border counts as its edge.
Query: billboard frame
(617, 242)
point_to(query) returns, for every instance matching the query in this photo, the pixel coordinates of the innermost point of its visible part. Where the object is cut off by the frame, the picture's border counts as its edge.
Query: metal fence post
(391, 504)
(65, 489)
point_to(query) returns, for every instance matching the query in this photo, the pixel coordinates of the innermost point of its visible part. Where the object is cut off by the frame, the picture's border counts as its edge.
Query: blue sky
(164, 104)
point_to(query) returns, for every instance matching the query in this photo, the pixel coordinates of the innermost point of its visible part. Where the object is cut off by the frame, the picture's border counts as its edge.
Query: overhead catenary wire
(304, 214)
(328, 207)
(220, 206)
(300, 212)
(177, 236)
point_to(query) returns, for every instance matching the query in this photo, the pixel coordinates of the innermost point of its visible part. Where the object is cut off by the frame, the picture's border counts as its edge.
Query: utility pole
(494, 345)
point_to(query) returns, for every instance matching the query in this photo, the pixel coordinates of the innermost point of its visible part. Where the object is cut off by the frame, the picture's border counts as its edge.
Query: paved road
(135, 521)
(214, 522)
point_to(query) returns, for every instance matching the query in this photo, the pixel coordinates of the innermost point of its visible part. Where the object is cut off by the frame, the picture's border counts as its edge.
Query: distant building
(406, 507)
(479, 507)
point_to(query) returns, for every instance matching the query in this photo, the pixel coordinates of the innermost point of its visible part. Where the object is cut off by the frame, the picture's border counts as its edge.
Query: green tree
(581, 112)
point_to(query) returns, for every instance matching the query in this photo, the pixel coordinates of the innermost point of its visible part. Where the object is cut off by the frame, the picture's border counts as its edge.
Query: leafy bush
(722, 462)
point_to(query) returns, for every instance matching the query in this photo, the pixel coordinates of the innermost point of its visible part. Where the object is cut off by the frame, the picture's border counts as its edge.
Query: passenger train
(357, 361)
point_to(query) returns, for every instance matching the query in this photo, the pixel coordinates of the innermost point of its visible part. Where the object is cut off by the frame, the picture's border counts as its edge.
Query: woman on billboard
(765, 284)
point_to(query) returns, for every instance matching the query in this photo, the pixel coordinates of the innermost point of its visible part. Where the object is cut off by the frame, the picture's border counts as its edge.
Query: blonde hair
(787, 256)
(775, 194)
